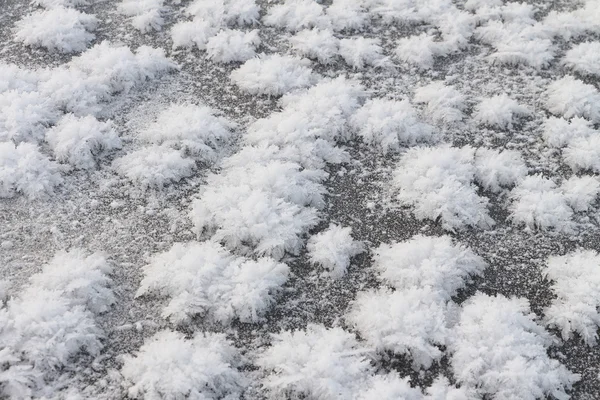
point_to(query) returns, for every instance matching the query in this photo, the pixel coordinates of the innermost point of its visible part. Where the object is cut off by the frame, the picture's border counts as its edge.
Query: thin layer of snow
(333, 248)
(82, 141)
(205, 279)
(273, 75)
(576, 283)
(169, 366)
(60, 29)
(498, 350)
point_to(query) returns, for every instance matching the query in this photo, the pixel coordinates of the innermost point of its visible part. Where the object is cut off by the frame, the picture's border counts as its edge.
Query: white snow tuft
(570, 97)
(419, 50)
(81, 141)
(584, 58)
(154, 166)
(360, 52)
(146, 15)
(445, 104)
(496, 170)
(196, 129)
(317, 363)
(319, 44)
(390, 124)
(428, 262)
(438, 183)
(273, 75)
(169, 366)
(559, 132)
(205, 279)
(581, 192)
(411, 322)
(23, 169)
(190, 33)
(232, 45)
(59, 29)
(333, 248)
(576, 283)
(24, 116)
(295, 15)
(499, 111)
(498, 350)
(347, 15)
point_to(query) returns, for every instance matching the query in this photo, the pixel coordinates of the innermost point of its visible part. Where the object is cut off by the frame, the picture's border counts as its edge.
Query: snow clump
(360, 52)
(419, 50)
(498, 350)
(273, 75)
(25, 115)
(438, 183)
(584, 58)
(81, 141)
(51, 322)
(205, 279)
(576, 283)
(432, 262)
(187, 34)
(295, 15)
(569, 97)
(347, 15)
(390, 124)
(23, 169)
(203, 367)
(315, 363)
(581, 191)
(145, 15)
(59, 29)
(497, 170)
(318, 44)
(333, 248)
(154, 166)
(232, 45)
(499, 112)
(196, 129)
(445, 104)
(559, 132)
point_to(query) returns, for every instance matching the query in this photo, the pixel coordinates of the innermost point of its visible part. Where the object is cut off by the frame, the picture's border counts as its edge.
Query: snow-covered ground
(299, 199)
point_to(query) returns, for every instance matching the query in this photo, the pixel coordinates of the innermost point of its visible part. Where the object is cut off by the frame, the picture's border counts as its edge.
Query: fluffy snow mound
(23, 169)
(570, 97)
(13, 77)
(80, 141)
(584, 58)
(225, 12)
(146, 15)
(190, 33)
(389, 387)
(24, 116)
(360, 52)
(232, 45)
(412, 322)
(559, 132)
(333, 248)
(498, 350)
(428, 262)
(539, 203)
(295, 15)
(576, 283)
(59, 3)
(273, 75)
(581, 192)
(154, 166)
(419, 50)
(318, 44)
(444, 103)
(196, 129)
(347, 15)
(317, 363)
(583, 153)
(104, 70)
(438, 183)
(205, 279)
(499, 112)
(390, 124)
(51, 322)
(59, 29)
(266, 196)
(203, 367)
(496, 170)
